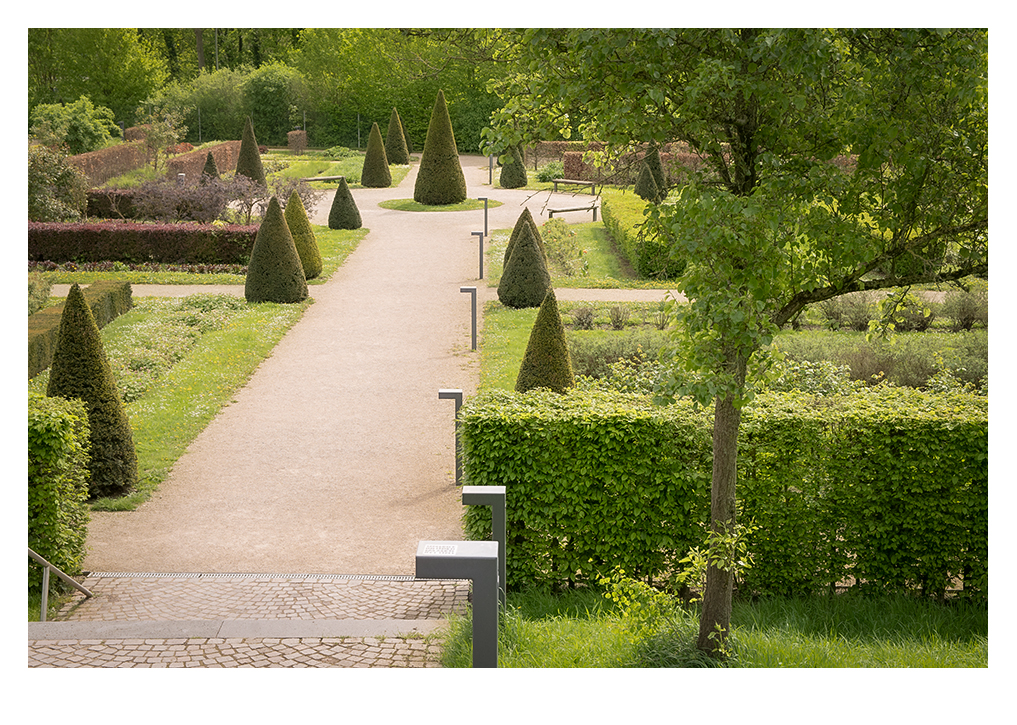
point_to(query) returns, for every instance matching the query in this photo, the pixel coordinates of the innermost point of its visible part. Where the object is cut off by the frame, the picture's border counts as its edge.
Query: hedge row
(102, 165)
(107, 300)
(887, 488)
(126, 241)
(191, 164)
(623, 214)
(57, 484)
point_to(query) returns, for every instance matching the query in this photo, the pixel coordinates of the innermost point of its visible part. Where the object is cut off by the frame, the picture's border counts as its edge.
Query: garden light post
(490, 169)
(478, 562)
(493, 496)
(481, 235)
(456, 395)
(484, 199)
(473, 326)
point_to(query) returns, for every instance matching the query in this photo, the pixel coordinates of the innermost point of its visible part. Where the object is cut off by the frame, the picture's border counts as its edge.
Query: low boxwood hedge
(885, 488)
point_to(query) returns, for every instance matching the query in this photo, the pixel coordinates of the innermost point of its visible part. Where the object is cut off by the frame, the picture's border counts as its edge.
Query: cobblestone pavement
(249, 620)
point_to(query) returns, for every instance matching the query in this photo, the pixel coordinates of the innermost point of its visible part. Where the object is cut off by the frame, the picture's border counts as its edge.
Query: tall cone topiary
(274, 273)
(513, 172)
(440, 178)
(344, 213)
(375, 174)
(249, 160)
(525, 219)
(525, 279)
(210, 169)
(546, 363)
(652, 160)
(646, 185)
(303, 236)
(396, 148)
(81, 370)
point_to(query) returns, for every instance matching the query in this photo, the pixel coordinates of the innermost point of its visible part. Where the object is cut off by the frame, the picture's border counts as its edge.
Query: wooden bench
(323, 178)
(591, 184)
(589, 207)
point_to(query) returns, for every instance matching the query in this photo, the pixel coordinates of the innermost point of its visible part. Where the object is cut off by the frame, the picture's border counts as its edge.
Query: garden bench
(323, 178)
(591, 184)
(589, 207)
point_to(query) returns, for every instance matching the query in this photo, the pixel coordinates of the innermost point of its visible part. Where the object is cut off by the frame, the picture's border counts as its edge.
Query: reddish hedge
(126, 241)
(191, 164)
(102, 165)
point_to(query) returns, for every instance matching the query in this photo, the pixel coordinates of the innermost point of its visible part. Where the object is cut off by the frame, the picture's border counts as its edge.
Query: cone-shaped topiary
(525, 279)
(274, 273)
(396, 148)
(81, 370)
(513, 172)
(546, 363)
(646, 185)
(344, 213)
(525, 219)
(652, 160)
(249, 160)
(210, 169)
(440, 178)
(303, 236)
(375, 174)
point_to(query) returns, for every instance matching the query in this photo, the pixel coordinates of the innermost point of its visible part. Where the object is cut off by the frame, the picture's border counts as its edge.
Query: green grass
(585, 629)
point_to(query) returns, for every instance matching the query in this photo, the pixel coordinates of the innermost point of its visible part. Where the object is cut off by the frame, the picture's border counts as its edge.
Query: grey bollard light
(473, 326)
(478, 562)
(481, 235)
(484, 199)
(456, 395)
(493, 496)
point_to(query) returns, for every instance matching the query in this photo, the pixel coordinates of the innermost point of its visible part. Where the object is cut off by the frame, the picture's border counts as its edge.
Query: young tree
(395, 141)
(275, 273)
(835, 161)
(546, 362)
(81, 370)
(440, 179)
(163, 127)
(375, 173)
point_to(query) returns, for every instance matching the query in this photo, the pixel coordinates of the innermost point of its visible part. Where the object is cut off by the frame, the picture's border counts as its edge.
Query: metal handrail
(46, 567)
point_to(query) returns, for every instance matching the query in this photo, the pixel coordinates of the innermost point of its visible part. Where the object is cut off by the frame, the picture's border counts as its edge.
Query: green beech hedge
(125, 241)
(623, 213)
(886, 488)
(57, 484)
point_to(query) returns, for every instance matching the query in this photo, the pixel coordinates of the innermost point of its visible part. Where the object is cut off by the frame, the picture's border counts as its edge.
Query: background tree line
(334, 82)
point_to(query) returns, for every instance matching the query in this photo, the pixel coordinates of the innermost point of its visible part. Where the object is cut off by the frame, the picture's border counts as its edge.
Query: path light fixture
(456, 395)
(478, 562)
(481, 235)
(473, 327)
(484, 199)
(493, 496)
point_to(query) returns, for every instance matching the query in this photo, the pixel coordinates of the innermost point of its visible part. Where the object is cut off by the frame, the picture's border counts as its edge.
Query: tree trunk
(199, 42)
(715, 620)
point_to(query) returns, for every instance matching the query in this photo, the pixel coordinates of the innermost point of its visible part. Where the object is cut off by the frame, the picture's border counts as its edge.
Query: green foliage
(58, 444)
(213, 104)
(651, 256)
(888, 486)
(344, 213)
(249, 160)
(79, 126)
(38, 292)
(652, 161)
(275, 273)
(646, 185)
(525, 219)
(162, 128)
(81, 370)
(525, 280)
(546, 362)
(210, 169)
(513, 170)
(440, 178)
(561, 244)
(968, 307)
(551, 171)
(56, 190)
(270, 92)
(376, 174)
(396, 149)
(303, 236)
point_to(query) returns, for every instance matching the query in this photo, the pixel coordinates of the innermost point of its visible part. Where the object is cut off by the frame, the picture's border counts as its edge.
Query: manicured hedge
(191, 164)
(102, 165)
(887, 488)
(623, 213)
(126, 241)
(57, 484)
(107, 300)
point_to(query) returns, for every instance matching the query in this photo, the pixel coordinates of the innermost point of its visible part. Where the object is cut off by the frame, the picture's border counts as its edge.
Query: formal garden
(857, 384)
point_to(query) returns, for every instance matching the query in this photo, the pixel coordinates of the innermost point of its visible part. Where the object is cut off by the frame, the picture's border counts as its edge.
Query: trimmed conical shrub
(440, 178)
(303, 236)
(525, 279)
(646, 185)
(652, 160)
(249, 160)
(513, 173)
(546, 363)
(396, 148)
(81, 370)
(210, 169)
(375, 174)
(525, 219)
(344, 213)
(274, 273)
